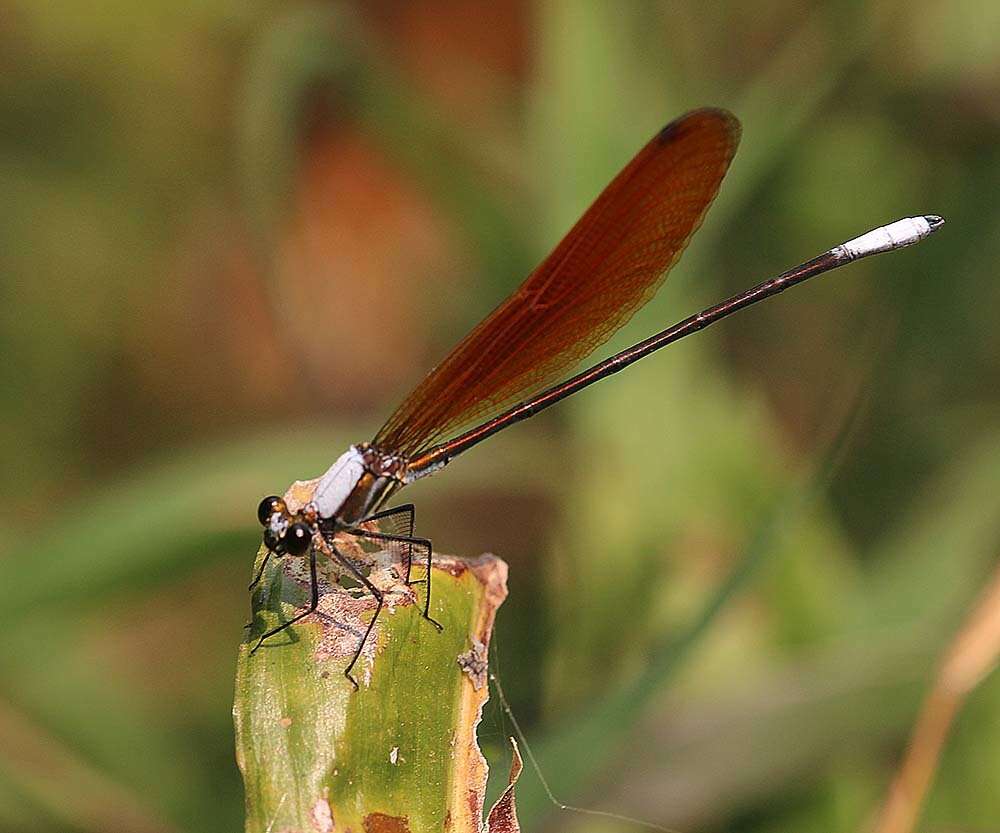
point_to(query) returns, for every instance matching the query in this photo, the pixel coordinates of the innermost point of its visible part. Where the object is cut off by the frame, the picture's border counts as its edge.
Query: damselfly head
(284, 532)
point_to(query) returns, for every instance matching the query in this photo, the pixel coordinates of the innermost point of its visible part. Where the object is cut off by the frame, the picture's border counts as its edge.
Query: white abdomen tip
(896, 235)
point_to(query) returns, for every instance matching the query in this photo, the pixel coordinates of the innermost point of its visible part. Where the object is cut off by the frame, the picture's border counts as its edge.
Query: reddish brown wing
(609, 265)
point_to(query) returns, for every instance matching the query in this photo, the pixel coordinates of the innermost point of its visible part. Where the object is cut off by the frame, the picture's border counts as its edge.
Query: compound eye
(268, 506)
(272, 541)
(297, 538)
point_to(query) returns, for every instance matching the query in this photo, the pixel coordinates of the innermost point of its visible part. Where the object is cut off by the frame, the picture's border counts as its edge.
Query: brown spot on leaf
(452, 566)
(382, 823)
(503, 816)
(475, 799)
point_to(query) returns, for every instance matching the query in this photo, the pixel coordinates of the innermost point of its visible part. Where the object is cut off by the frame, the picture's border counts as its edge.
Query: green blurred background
(233, 235)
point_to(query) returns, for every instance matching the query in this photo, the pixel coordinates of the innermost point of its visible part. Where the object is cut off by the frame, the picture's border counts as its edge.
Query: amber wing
(611, 263)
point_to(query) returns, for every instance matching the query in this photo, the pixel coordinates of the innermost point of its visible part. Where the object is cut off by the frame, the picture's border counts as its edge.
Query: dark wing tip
(698, 119)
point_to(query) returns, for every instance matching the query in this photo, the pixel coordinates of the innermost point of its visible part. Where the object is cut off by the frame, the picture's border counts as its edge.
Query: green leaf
(398, 753)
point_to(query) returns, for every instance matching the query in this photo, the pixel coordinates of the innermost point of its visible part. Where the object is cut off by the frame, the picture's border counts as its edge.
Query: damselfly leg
(398, 521)
(411, 542)
(254, 583)
(371, 588)
(260, 572)
(313, 603)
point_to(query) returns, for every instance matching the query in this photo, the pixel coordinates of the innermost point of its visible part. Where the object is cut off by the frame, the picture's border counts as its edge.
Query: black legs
(254, 583)
(260, 572)
(371, 588)
(313, 603)
(399, 521)
(410, 542)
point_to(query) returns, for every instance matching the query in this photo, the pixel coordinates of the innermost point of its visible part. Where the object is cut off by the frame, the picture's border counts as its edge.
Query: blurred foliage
(234, 234)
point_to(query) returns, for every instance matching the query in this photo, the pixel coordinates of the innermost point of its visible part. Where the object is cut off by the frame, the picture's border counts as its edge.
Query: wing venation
(609, 264)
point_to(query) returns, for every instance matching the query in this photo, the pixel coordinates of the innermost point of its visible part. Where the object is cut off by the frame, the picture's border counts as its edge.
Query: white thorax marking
(338, 482)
